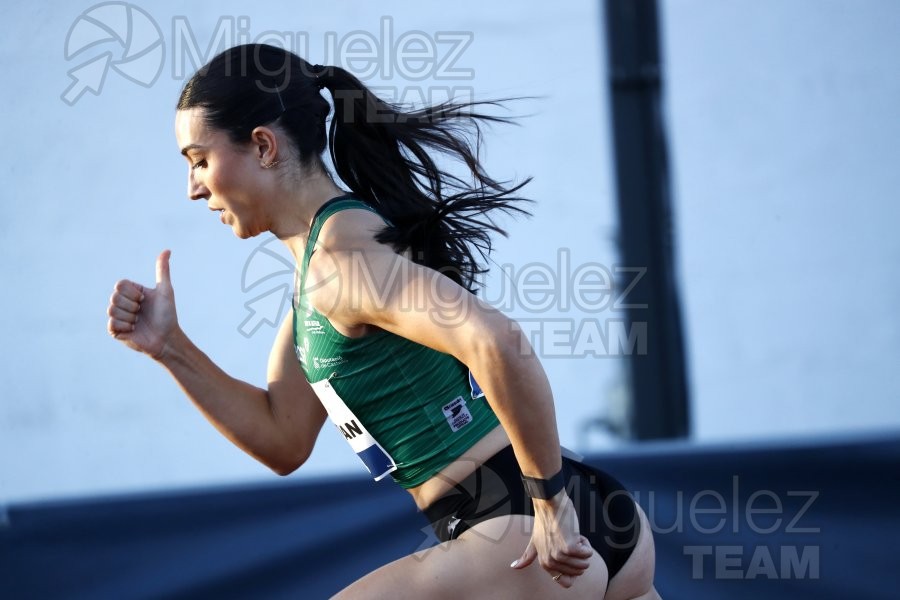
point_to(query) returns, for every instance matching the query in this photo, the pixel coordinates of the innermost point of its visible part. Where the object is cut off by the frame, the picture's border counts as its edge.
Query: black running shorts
(606, 511)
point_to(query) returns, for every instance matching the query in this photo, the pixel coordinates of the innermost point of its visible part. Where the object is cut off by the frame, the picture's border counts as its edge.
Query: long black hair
(379, 150)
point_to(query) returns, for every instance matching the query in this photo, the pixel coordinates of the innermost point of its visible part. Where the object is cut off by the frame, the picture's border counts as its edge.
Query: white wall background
(783, 131)
(785, 128)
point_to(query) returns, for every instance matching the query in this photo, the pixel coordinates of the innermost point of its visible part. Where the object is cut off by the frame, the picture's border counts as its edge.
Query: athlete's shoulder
(352, 228)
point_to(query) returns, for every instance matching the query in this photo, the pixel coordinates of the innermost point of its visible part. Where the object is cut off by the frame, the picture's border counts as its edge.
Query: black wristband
(543, 489)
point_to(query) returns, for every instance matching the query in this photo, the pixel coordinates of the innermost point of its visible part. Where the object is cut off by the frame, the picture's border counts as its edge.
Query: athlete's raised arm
(277, 426)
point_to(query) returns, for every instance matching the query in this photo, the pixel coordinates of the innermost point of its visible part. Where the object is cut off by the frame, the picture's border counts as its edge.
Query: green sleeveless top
(406, 410)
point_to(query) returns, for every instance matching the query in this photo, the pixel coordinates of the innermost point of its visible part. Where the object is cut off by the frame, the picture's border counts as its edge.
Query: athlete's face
(227, 175)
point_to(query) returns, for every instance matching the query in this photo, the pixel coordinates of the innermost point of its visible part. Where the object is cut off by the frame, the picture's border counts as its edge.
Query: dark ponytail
(380, 151)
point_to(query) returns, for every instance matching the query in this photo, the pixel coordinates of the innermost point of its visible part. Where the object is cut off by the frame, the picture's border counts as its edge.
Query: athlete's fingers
(124, 303)
(564, 580)
(122, 315)
(581, 549)
(569, 559)
(527, 557)
(116, 326)
(556, 565)
(567, 563)
(129, 289)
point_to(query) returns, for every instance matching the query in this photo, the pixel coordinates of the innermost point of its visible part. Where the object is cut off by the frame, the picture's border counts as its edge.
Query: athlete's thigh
(476, 565)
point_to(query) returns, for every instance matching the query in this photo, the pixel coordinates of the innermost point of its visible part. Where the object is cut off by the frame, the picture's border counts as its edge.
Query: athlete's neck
(293, 221)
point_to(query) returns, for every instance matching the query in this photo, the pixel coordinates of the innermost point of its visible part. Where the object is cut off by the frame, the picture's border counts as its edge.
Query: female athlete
(430, 385)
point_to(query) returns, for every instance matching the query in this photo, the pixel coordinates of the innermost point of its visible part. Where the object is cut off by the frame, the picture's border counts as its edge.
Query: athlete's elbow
(289, 460)
(286, 466)
(284, 469)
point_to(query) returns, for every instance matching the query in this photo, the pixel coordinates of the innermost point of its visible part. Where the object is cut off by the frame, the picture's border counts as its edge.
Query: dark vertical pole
(658, 381)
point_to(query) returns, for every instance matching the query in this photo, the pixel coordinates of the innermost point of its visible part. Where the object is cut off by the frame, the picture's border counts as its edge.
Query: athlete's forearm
(518, 390)
(240, 411)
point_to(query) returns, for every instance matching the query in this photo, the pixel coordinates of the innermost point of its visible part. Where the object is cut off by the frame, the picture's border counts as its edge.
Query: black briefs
(606, 512)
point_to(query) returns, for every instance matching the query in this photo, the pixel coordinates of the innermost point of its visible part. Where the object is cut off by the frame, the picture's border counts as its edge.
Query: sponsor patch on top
(457, 413)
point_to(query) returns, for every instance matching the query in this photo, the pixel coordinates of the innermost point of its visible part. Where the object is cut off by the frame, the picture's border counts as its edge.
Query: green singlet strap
(335, 205)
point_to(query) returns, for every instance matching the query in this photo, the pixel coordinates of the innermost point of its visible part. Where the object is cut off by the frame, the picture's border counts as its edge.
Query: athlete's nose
(196, 190)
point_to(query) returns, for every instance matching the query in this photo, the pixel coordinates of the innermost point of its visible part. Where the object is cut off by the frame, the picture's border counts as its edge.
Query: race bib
(377, 460)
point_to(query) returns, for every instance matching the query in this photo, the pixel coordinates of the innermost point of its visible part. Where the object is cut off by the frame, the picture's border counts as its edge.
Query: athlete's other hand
(556, 541)
(144, 319)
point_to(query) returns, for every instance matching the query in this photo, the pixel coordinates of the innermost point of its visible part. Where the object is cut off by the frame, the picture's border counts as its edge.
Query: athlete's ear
(265, 144)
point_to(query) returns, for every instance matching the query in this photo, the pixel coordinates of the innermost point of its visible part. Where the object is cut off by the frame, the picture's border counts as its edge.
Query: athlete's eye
(198, 164)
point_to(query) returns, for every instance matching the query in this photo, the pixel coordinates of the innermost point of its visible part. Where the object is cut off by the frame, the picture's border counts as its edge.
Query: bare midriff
(442, 482)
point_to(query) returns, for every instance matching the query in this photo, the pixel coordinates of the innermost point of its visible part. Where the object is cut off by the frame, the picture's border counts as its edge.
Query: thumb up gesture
(144, 318)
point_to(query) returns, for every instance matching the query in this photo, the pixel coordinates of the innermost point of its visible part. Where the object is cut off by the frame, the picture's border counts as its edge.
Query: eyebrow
(190, 147)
